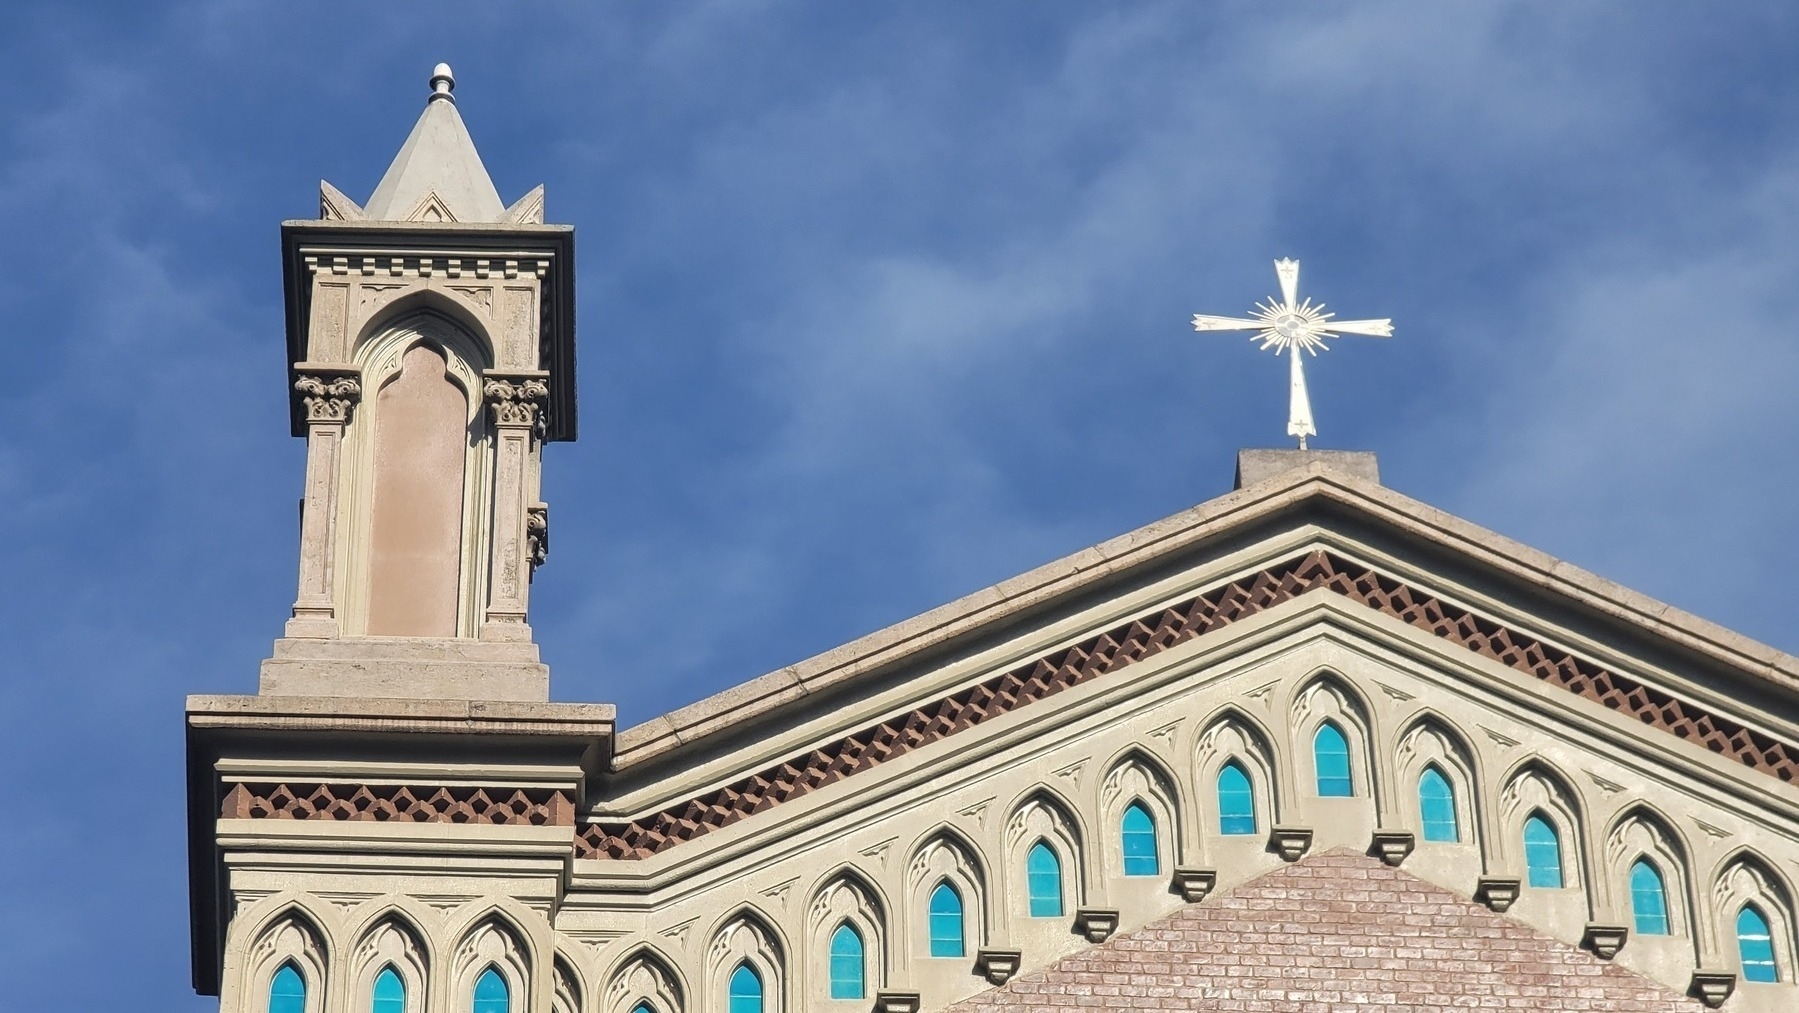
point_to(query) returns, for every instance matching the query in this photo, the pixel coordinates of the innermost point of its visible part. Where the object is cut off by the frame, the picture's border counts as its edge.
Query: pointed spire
(438, 175)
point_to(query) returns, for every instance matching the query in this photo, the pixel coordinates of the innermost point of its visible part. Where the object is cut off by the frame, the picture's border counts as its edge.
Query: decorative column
(327, 393)
(518, 403)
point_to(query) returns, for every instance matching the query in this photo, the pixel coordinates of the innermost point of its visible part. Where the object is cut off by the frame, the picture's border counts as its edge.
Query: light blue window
(1436, 806)
(846, 963)
(1236, 801)
(1330, 755)
(1043, 880)
(643, 1007)
(287, 991)
(946, 922)
(745, 990)
(1756, 946)
(1542, 853)
(1648, 899)
(491, 993)
(1139, 829)
(390, 992)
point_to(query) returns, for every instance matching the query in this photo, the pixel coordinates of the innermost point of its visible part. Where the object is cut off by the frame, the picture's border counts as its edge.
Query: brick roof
(1333, 932)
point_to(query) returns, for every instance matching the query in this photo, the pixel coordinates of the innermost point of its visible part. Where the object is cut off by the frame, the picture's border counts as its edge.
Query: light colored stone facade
(414, 803)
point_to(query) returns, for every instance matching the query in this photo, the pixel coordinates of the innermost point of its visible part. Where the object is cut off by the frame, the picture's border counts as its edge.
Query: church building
(1310, 745)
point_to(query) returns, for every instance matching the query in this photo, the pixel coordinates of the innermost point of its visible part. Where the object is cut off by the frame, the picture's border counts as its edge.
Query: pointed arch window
(945, 922)
(643, 1007)
(1330, 758)
(491, 993)
(1648, 899)
(1755, 945)
(1436, 807)
(287, 990)
(745, 990)
(1138, 828)
(847, 963)
(389, 995)
(1236, 800)
(1542, 853)
(1043, 880)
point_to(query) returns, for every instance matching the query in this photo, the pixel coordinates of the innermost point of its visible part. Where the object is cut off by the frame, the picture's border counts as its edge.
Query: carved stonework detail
(1117, 648)
(328, 398)
(997, 966)
(1193, 884)
(1496, 892)
(1097, 924)
(1712, 987)
(1290, 842)
(1392, 846)
(896, 1002)
(1605, 940)
(518, 401)
(537, 534)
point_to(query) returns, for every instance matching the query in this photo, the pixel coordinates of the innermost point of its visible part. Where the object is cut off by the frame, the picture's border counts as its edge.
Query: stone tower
(430, 336)
(431, 350)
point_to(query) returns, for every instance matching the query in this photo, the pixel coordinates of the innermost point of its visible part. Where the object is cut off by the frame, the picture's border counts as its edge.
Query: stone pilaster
(328, 394)
(518, 405)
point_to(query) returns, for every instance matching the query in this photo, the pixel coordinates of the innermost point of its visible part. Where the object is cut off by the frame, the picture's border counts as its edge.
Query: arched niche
(1326, 699)
(1746, 880)
(291, 937)
(845, 898)
(1233, 738)
(945, 857)
(1043, 817)
(390, 941)
(746, 938)
(1138, 778)
(414, 496)
(1641, 834)
(644, 976)
(493, 942)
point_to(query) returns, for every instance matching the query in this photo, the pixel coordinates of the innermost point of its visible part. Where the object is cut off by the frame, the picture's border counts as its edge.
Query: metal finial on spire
(442, 83)
(1293, 326)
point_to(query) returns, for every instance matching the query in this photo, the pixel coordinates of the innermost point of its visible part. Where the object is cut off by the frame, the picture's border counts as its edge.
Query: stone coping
(1317, 480)
(388, 715)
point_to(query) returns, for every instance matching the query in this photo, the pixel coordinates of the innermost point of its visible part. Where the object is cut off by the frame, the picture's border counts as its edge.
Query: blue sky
(879, 304)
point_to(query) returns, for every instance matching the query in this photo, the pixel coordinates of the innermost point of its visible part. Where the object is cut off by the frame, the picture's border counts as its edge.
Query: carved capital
(1290, 842)
(1391, 846)
(1193, 884)
(537, 534)
(1097, 924)
(522, 401)
(328, 397)
(1712, 987)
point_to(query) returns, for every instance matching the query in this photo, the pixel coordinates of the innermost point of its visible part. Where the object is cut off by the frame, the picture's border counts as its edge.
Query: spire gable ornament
(1294, 326)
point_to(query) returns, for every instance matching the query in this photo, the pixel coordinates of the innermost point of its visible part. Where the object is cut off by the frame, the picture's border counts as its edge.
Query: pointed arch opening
(948, 933)
(287, 990)
(1137, 833)
(745, 992)
(1330, 762)
(1043, 880)
(492, 994)
(1437, 806)
(849, 964)
(1236, 800)
(1542, 852)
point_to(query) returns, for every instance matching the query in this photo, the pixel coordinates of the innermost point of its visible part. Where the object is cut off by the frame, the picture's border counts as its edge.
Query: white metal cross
(1294, 326)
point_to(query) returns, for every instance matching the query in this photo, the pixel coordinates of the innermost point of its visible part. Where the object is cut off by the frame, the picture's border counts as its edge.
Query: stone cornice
(1121, 646)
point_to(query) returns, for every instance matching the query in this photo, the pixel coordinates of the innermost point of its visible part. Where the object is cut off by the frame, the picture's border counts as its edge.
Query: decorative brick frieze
(540, 807)
(1149, 635)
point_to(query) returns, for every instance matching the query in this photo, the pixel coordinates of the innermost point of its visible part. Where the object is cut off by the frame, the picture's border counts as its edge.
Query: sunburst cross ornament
(1292, 326)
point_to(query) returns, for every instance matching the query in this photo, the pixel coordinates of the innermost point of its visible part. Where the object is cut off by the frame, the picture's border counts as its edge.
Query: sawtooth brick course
(1334, 932)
